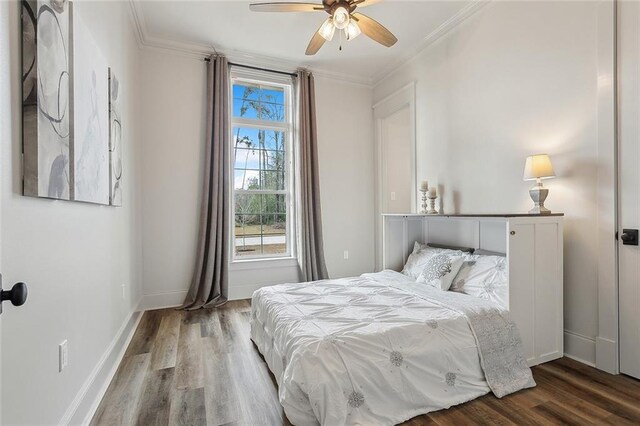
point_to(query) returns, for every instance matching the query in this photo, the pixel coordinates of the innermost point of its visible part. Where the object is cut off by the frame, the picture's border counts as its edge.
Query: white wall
(515, 79)
(345, 136)
(174, 90)
(74, 257)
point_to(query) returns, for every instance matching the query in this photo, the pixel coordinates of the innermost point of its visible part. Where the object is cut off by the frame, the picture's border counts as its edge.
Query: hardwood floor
(201, 368)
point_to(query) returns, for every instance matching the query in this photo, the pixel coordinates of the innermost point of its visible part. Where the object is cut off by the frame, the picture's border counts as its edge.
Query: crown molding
(198, 51)
(135, 18)
(146, 41)
(451, 23)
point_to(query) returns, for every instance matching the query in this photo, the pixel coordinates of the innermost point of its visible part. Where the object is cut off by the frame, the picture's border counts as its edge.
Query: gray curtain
(210, 278)
(312, 263)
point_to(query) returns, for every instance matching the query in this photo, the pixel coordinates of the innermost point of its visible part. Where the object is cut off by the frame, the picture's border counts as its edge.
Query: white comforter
(376, 349)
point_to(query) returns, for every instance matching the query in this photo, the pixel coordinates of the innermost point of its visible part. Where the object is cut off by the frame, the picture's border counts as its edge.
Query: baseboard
(607, 355)
(172, 299)
(88, 398)
(580, 348)
(240, 292)
(169, 299)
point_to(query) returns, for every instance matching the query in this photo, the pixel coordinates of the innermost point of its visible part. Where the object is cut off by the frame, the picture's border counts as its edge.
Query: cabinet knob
(513, 232)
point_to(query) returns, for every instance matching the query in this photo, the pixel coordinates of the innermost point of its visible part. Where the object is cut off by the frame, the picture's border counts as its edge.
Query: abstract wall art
(115, 141)
(91, 117)
(47, 84)
(67, 127)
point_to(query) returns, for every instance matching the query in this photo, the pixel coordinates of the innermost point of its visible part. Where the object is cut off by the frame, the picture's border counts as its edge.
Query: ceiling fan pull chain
(340, 48)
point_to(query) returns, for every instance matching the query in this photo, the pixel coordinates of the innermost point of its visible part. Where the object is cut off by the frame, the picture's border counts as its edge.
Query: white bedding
(375, 349)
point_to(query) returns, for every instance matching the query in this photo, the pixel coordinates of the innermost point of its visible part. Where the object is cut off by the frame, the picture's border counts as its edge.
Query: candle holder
(424, 202)
(432, 205)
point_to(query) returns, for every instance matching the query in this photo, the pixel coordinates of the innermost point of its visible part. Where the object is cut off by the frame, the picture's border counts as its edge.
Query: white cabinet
(534, 249)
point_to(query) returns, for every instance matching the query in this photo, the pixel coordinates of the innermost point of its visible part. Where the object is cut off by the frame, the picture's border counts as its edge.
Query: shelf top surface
(503, 215)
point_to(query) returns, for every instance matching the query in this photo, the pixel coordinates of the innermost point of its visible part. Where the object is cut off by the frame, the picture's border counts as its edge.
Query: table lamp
(538, 167)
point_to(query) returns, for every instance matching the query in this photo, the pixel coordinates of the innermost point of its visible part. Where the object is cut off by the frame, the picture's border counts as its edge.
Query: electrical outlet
(346, 255)
(393, 196)
(63, 355)
(124, 292)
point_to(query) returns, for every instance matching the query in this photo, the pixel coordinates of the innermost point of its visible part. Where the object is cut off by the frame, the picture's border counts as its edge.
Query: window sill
(273, 262)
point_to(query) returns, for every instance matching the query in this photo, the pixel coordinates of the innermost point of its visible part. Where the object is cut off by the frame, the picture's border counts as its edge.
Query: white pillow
(440, 270)
(484, 277)
(419, 257)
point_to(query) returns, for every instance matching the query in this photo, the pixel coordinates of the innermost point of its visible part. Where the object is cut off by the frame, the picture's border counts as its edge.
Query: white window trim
(266, 78)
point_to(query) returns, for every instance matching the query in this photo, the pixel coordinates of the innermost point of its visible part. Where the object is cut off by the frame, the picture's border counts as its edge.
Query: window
(261, 141)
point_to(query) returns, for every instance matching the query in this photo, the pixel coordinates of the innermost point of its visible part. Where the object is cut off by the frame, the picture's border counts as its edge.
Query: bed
(382, 348)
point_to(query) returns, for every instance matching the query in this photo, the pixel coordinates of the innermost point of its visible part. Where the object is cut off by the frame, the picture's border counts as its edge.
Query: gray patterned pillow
(419, 257)
(440, 270)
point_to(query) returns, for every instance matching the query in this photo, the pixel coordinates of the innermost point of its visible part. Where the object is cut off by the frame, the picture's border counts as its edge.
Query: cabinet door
(521, 240)
(535, 288)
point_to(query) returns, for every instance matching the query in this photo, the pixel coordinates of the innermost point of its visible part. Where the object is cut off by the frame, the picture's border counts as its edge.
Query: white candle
(424, 185)
(432, 192)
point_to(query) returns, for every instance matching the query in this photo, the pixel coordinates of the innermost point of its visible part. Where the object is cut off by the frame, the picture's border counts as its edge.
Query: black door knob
(629, 237)
(17, 295)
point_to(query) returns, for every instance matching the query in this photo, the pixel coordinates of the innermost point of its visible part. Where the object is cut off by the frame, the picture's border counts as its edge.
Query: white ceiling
(230, 27)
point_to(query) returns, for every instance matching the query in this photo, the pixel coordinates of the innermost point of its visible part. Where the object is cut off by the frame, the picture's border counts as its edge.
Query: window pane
(271, 112)
(274, 140)
(258, 102)
(248, 158)
(246, 91)
(271, 180)
(274, 203)
(260, 224)
(246, 179)
(248, 225)
(274, 240)
(247, 206)
(260, 159)
(246, 138)
(272, 94)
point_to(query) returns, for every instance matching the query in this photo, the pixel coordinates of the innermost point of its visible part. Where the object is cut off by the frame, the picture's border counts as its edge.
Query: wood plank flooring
(201, 368)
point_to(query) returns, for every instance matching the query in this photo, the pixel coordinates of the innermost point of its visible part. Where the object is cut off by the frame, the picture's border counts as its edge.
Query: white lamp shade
(327, 29)
(352, 30)
(538, 167)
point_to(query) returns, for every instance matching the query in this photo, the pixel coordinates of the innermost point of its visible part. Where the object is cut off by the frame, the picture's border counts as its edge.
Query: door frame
(401, 98)
(635, 14)
(7, 131)
(607, 343)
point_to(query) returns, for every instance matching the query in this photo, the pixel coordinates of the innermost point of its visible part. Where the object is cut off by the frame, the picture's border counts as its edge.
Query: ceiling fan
(342, 16)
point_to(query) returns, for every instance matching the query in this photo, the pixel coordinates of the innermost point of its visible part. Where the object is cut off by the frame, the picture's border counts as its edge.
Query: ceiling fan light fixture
(352, 31)
(341, 17)
(327, 29)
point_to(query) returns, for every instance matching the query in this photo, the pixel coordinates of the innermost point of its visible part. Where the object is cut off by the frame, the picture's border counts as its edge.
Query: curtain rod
(292, 74)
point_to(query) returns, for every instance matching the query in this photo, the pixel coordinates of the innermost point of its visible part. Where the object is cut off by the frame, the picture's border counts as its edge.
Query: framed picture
(67, 134)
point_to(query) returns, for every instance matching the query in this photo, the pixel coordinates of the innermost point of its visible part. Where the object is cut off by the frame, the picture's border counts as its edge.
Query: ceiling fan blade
(364, 3)
(315, 44)
(374, 30)
(285, 7)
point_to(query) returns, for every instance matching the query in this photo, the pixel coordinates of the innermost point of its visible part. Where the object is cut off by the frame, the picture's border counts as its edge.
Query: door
(629, 183)
(395, 185)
